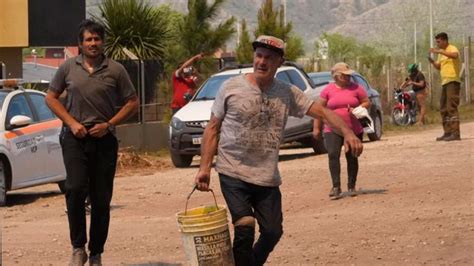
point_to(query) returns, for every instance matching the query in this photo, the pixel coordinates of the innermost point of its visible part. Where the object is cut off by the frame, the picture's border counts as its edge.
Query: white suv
(187, 125)
(30, 153)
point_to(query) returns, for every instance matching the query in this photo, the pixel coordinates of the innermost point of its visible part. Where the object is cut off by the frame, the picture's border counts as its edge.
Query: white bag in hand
(363, 115)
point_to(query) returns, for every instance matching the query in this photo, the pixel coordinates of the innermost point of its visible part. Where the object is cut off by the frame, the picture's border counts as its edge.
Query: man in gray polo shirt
(95, 86)
(246, 128)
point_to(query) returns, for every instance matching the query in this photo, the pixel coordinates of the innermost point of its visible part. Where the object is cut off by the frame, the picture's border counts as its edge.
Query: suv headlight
(176, 123)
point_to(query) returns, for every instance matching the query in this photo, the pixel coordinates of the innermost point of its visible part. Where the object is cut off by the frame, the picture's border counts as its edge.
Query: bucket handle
(189, 196)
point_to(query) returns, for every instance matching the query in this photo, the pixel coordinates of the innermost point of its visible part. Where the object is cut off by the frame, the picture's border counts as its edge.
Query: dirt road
(415, 206)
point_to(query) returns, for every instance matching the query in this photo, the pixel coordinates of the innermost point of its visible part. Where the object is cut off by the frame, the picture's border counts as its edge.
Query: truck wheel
(180, 160)
(378, 129)
(3, 185)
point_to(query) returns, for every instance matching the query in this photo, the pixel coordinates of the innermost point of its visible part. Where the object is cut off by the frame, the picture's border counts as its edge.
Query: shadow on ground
(156, 264)
(289, 157)
(359, 193)
(24, 198)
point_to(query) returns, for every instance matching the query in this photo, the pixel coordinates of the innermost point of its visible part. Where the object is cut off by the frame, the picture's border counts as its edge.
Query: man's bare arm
(351, 142)
(208, 150)
(58, 108)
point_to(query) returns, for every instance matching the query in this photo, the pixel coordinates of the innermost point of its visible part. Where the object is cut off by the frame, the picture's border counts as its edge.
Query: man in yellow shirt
(449, 65)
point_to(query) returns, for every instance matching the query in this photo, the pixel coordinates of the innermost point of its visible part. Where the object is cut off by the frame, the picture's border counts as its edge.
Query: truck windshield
(210, 88)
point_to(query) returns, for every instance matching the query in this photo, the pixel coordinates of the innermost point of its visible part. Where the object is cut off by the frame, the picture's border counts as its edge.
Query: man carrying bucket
(246, 126)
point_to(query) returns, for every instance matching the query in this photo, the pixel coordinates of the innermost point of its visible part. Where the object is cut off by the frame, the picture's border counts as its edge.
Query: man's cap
(270, 42)
(341, 68)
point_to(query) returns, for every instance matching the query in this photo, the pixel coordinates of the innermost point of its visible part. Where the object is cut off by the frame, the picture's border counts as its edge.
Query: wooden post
(467, 70)
(389, 80)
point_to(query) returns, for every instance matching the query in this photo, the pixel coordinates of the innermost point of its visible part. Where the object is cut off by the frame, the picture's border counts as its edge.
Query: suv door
(296, 126)
(26, 144)
(50, 130)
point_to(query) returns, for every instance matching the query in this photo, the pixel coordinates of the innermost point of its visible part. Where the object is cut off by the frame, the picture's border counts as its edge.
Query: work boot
(445, 135)
(452, 137)
(95, 260)
(79, 257)
(335, 191)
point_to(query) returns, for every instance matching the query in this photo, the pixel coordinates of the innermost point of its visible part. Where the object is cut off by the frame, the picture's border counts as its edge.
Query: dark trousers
(449, 103)
(262, 203)
(333, 144)
(90, 166)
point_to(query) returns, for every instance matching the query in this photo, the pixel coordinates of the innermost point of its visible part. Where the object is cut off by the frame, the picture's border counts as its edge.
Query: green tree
(340, 48)
(174, 50)
(294, 48)
(197, 33)
(135, 25)
(244, 49)
(271, 22)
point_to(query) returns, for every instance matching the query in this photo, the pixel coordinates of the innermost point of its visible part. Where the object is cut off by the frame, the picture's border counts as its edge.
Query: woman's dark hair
(92, 27)
(442, 36)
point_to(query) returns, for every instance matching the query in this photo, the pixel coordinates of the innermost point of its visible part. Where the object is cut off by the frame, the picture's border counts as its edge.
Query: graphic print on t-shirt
(261, 123)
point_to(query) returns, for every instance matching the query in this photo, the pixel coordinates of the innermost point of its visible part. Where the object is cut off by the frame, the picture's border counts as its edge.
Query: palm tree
(135, 25)
(197, 35)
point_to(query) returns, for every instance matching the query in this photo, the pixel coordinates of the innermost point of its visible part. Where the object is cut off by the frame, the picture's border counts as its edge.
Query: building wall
(151, 136)
(11, 57)
(14, 23)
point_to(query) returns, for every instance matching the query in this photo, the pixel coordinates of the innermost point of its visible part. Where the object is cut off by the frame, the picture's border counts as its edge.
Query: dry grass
(133, 162)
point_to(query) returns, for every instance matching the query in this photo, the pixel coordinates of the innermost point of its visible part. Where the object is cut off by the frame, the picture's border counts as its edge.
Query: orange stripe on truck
(33, 128)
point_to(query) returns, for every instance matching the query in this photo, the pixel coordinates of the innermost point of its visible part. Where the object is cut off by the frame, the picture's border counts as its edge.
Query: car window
(296, 79)
(42, 110)
(283, 77)
(359, 80)
(210, 88)
(18, 106)
(2, 99)
(321, 78)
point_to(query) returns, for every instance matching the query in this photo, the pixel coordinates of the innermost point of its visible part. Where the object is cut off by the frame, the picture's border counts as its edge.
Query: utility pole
(467, 72)
(238, 32)
(284, 11)
(430, 70)
(414, 36)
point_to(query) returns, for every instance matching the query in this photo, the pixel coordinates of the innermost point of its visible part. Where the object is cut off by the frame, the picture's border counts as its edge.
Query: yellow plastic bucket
(205, 234)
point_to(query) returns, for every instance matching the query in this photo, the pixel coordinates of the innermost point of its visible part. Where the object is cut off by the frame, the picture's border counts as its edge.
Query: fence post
(467, 70)
(389, 80)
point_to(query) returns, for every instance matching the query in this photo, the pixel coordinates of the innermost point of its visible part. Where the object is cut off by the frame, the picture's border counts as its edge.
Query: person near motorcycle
(342, 97)
(417, 81)
(184, 83)
(449, 66)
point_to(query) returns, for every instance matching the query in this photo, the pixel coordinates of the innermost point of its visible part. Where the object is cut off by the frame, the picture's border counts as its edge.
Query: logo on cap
(270, 42)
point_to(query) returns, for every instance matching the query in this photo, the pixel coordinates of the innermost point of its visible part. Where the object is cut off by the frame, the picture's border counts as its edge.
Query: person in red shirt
(184, 83)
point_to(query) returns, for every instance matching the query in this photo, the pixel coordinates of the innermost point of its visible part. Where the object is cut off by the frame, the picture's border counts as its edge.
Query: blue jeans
(262, 203)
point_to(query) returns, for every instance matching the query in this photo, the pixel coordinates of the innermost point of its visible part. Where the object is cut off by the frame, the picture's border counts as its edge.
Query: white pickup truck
(187, 125)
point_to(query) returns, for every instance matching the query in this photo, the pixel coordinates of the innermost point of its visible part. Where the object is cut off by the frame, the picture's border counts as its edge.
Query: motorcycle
(405, 108)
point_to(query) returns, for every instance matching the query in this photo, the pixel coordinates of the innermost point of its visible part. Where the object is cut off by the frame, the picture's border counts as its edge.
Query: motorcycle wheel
(400, 118)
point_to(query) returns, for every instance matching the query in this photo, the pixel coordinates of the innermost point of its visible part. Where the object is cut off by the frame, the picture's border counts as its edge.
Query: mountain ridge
(375, 21)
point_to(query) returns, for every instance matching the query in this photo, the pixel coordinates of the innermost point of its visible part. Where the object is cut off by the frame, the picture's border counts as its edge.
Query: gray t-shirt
(93, 98)
(252, 128)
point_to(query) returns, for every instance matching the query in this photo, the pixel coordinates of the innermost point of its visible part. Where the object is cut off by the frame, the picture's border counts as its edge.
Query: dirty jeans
(263, 203)
(449, 103)
(90, 166)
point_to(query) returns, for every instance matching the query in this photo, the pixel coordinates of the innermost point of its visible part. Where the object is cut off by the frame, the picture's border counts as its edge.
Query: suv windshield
(2, 98)
(209, 90)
